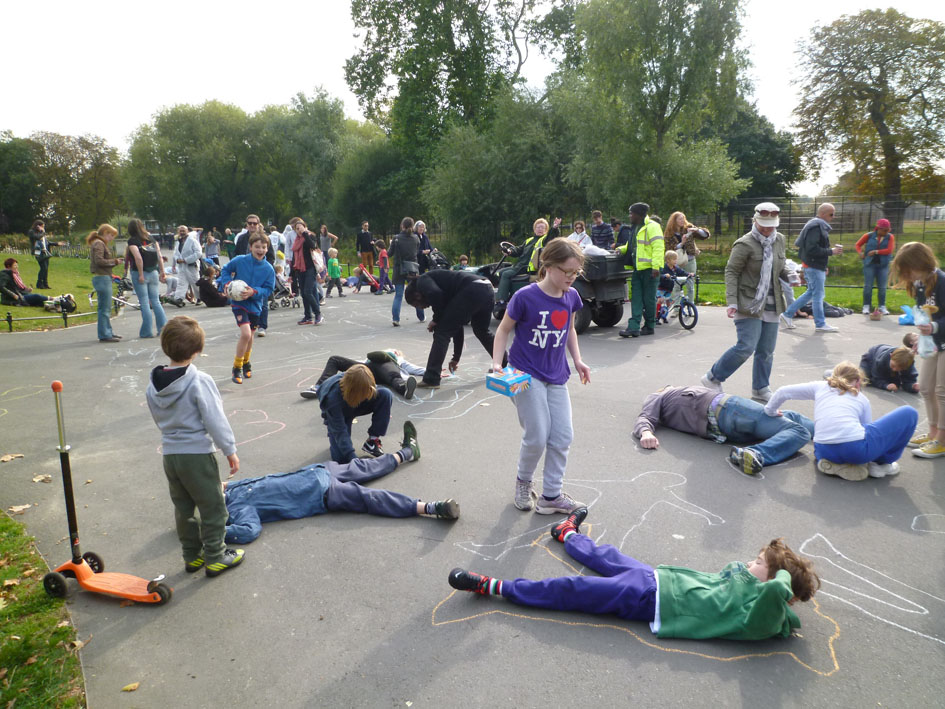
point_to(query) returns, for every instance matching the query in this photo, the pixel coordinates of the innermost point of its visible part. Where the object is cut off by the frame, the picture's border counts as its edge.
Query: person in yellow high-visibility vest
(646, 255)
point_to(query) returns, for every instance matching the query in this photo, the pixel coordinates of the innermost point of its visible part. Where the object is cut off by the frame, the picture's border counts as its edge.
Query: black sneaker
(446, 509)
(231, 558)
(411, 387)
(311, 393)
(463, 580)
(372, 446)
(745, 460)
(647, 331)
(629, 333)
(237, 375)
(571, 523)
(193, 565)
(410, 440)
(247, 370)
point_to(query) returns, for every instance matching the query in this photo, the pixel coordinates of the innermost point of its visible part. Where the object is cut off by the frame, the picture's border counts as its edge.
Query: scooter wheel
(164, 592)
(55, 584)
(94, 561)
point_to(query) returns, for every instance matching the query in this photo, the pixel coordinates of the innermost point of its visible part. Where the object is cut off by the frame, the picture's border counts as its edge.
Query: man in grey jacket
(711, 414)
(814, 250)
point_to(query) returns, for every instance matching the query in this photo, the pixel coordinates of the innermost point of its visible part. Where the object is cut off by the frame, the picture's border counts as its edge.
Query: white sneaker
(762, 394)
(786, 322)
(261, 332)
(881, 470)
(882, 309)
(866, 310)
(709, 383)
(826, 328)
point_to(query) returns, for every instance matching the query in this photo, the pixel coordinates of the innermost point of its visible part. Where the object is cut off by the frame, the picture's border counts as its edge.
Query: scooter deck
(112, 583)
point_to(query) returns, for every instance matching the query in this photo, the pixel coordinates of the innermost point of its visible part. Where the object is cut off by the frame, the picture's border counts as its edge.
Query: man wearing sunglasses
(814, 249)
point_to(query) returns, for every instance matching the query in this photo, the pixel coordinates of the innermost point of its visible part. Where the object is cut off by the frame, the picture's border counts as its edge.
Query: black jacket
(876, 365)
(937, 298)
(813, 244)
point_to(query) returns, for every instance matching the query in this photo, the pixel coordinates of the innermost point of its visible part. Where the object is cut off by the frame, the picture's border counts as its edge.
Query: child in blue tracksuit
(327, 487)
(255, 271)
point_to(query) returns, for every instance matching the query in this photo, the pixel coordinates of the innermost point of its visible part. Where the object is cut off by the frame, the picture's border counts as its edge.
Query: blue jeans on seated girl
(884, 441)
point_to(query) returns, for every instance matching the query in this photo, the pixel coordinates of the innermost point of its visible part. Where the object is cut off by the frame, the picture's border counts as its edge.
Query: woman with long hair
(147, 270)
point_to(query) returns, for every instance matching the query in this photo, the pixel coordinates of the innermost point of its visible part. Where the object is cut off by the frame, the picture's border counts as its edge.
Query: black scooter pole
(63, 449)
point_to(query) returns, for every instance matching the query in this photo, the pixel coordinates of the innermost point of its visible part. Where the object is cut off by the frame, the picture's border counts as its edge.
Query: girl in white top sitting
(847, 442)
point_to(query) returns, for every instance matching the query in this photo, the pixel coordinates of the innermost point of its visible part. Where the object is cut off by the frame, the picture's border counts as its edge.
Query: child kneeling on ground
(327, 487)
(847, 442)
(742, 602)
(891, 368)
(186, 406)
(342, 398)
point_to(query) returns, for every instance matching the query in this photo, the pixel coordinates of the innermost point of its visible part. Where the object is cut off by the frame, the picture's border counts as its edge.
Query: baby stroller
(438, 260)
(122, 285)
(282, 296)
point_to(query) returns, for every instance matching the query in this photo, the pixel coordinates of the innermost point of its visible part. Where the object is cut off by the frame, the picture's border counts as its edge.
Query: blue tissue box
(510, 382)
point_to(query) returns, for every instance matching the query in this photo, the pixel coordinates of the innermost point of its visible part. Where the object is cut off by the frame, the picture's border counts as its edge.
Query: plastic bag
(906, 318)
(927, 346)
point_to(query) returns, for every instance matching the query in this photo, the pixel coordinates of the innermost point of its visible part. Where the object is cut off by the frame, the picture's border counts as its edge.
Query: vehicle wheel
(94, 561)
(164, 592)
(582, 319)
(609, 314)
(55, 584)
(688, 315)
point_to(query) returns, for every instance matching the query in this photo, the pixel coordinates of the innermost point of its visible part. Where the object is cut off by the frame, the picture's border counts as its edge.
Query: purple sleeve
(516, 307)
(575, 300)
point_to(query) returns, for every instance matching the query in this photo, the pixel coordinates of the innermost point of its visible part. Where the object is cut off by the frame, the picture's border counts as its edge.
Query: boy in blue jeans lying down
(327, 487)
(742, 602)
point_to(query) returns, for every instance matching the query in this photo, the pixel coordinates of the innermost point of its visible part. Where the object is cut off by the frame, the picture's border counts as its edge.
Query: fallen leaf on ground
(3, 672)
(11, 582)
(15, 637)
(3, 604)
(131, 687)
(10, 456)
(86, 358)
(62, 624)
(29, 572)
(31, 660)
(18, 509)
(42, 479)
(79, 644)
(89, 481)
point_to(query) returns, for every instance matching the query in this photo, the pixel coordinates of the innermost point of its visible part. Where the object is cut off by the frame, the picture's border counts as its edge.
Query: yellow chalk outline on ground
(644, 641)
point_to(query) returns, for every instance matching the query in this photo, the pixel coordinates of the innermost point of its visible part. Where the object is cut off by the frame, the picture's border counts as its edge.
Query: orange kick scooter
(89, 569)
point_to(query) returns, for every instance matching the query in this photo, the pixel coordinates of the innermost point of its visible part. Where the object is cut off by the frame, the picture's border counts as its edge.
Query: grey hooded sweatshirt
(189, 411)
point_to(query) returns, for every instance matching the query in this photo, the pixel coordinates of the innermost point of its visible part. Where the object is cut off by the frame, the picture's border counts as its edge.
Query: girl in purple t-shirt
(542, 316)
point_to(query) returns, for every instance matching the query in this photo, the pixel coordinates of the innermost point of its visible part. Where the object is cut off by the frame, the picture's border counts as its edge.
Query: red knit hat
(883, 224)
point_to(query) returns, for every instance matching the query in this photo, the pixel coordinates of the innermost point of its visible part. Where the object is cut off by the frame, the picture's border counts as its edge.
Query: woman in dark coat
(403, 254)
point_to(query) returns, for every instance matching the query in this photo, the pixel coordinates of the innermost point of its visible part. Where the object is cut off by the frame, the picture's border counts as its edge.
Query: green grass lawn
(66, 275)
(38, 662)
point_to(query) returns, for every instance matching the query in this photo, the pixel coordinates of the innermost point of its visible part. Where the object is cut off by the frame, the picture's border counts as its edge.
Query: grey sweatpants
(544, 413)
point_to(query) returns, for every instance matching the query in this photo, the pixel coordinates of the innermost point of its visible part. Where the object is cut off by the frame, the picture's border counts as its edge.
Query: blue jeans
(815, 293)
(884, 440)
(754, 337)
(148, 295)
(745, 421)
(625, 588)
(880, 274)
(398, 297)
(309, 295)
(347, 494)
(103, 291)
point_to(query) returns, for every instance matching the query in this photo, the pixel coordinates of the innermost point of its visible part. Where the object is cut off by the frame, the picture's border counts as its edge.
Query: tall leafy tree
(872, 94)
(20, 190)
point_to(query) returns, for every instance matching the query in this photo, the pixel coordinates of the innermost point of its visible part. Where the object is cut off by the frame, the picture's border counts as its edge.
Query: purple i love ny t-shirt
(541, 332)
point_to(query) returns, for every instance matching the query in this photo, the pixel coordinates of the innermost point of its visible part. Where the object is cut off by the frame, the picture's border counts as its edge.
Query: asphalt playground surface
(351, 610)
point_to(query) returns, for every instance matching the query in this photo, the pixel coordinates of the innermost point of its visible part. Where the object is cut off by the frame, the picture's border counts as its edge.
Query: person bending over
(389, 368)
(345, 396)
(741, 602)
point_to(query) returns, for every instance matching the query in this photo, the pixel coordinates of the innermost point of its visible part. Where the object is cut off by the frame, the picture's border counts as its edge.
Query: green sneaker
(231, 558)
(193, 565)
(410, 440)
(446, 509)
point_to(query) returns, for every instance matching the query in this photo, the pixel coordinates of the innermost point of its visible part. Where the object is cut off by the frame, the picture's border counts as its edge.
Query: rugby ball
(238, 290)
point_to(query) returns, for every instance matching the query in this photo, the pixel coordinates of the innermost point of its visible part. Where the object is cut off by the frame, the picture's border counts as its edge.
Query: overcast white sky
(105, 67)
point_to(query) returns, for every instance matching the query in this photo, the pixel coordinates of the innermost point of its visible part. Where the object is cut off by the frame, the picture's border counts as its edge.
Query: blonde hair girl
(847, 442)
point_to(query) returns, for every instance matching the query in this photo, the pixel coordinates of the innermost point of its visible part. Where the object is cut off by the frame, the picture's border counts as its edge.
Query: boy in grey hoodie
(186, 406)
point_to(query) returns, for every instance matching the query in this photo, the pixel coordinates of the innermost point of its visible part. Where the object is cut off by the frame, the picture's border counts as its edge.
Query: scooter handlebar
(57, 390)
(57, 386)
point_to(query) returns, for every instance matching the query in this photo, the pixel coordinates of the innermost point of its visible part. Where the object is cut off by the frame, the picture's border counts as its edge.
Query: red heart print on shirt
(559, 318)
